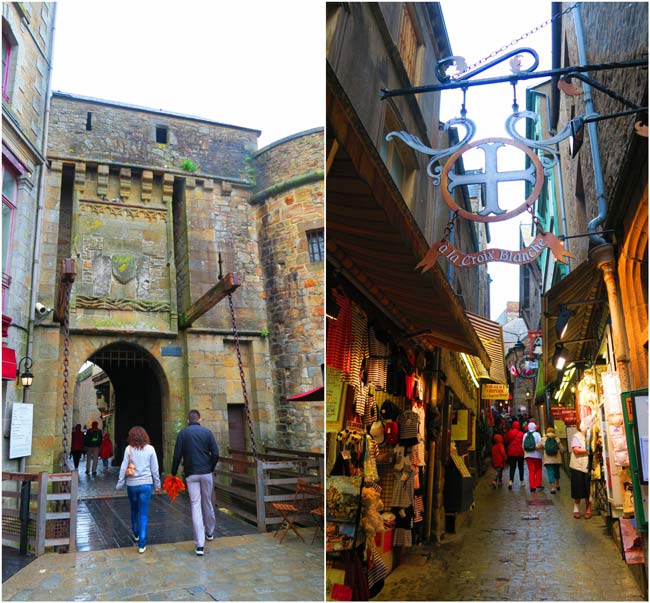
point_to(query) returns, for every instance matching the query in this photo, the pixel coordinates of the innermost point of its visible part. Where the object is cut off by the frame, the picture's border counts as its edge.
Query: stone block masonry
(290, 205)
(145, 203)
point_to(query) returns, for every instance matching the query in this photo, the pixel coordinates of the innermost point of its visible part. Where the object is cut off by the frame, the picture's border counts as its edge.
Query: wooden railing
(34, 519)
(247, 486)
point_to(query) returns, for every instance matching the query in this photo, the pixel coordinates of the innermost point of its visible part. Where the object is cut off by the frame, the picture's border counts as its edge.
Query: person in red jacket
(514, 444)
(106, 450)
(499, 458)
(77, 445)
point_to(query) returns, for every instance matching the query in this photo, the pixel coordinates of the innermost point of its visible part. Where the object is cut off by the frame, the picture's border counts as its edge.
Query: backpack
(529, 442)
(94, 438)
(550, 446)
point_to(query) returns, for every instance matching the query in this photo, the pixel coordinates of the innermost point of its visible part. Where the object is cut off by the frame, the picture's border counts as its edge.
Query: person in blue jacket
(196, 446)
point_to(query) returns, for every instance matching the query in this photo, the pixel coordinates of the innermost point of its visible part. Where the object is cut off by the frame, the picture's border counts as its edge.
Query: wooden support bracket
(226, 285)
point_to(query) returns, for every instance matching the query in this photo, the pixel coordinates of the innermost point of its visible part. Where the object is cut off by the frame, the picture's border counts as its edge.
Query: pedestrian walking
(532, 443)
(106, 449)
(515, 451)
(196, 446)
(499, 458)
(139, 486)
(580, 476)
(92, 440)
(552, 458)
(77, 445)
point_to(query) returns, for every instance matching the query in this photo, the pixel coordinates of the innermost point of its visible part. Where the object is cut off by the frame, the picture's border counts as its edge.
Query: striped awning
(491, 335)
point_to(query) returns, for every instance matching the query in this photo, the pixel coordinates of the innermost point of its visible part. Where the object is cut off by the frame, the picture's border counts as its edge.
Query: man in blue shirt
(196, 446)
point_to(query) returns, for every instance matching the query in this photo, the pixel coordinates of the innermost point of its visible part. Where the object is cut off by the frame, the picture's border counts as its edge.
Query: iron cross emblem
(490, 178)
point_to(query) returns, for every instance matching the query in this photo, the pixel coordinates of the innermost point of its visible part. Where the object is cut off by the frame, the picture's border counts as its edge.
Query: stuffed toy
(371, 521)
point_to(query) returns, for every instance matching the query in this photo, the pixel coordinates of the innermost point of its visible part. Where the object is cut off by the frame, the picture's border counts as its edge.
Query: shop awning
(8, 363)
(491, 335)
(374, 239)
(583, 291)
(313, 395)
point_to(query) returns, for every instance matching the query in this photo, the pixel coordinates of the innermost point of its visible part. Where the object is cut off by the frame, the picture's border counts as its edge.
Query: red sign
(556, 412)
(569, 416)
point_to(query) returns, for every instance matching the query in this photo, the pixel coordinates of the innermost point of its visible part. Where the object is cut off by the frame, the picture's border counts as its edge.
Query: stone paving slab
(517, 546)
(238, 568)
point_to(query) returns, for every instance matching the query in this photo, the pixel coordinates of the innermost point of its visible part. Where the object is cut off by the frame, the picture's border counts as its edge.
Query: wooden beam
(226, 285)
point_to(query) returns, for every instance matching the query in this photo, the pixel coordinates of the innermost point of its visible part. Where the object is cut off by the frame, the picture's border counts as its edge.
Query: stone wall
(127, 135)
(292, 171)
(614, 31)
(29, 27)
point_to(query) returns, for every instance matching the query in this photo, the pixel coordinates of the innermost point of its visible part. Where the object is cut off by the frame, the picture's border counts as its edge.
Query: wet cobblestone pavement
(235, 568)
(517, 546)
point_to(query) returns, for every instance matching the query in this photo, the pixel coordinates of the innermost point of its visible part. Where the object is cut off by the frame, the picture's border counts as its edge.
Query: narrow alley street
(517, 546)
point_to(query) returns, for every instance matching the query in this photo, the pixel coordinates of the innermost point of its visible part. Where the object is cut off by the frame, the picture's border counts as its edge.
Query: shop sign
(569, 416)
(489, 179)
(494, 391)
(556, 412)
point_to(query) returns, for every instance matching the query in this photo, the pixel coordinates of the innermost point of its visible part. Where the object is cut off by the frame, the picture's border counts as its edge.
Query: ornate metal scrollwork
(437, 154)
(545, 145)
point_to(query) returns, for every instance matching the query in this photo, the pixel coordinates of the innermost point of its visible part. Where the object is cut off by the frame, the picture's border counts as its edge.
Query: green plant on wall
(250, 171)
(189, 166)
(264, 332)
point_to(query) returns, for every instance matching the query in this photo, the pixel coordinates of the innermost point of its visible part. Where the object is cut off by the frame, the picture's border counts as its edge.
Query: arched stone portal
(139, 386)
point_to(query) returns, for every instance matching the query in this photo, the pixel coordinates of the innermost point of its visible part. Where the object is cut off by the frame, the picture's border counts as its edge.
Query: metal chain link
(241, 374)
(520, 38)
(66, 362)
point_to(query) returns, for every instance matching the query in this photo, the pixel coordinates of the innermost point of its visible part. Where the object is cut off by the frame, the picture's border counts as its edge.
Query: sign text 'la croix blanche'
(488, 179)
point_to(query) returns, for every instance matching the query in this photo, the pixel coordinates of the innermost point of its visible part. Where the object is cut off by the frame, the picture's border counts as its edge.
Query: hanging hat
(389, 411)
(377, 432)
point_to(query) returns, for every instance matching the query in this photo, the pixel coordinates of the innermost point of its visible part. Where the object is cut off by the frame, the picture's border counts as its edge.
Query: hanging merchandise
(339, 334)
(358, 346)
(371, 451)
(376, 430)
(408, 423)
(378, 360)
(391, 432)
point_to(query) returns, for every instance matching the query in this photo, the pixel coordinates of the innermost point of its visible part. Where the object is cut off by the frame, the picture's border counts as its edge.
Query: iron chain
(241, 374)
(520, 38)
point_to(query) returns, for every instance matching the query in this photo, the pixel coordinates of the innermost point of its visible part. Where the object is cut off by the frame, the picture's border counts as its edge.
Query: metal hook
(463, 109)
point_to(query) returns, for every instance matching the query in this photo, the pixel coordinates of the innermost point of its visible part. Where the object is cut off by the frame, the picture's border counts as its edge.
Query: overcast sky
(247, 63)
(476, 30)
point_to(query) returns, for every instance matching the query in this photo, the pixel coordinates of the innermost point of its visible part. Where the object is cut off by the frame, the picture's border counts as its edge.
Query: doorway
(135, 377)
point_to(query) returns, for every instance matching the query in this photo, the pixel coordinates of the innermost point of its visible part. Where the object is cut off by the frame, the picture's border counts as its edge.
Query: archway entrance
(136, 381)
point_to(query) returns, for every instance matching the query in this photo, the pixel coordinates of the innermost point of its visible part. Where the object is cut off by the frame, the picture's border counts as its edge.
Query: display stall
(379, 423)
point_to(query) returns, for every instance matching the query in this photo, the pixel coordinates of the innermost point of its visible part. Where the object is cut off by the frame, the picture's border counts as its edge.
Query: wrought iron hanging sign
(542, 154)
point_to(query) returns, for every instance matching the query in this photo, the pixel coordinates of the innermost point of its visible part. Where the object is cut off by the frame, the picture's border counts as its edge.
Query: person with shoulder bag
(140, 471)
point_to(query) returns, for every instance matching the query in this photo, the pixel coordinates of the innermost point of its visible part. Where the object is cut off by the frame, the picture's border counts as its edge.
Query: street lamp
(519, 349)
(25, 375)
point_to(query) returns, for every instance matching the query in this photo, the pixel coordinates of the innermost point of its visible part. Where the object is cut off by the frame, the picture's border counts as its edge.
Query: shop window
(316, 245)
(89, 121)
(409, 45)
(9, 194)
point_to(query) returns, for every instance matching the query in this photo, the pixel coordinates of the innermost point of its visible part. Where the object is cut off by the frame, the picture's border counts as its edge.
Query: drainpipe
(35, 277)
(593, 138)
